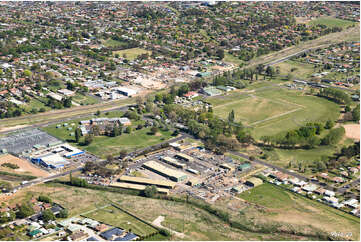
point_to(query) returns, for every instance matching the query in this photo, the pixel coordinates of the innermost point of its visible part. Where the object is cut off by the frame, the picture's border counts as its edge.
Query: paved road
(45, 179)
(122, 108)
(295, 54)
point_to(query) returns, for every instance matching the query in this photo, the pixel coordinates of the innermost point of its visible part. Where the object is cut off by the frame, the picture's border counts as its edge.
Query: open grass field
(117, 218)
(267, 195)
(303, 70)
(85, 100)
(132, 53)
(25, 167)
(298, 212)
(282, 157)
(226, 98)
(287, 207)
(270, 110)
(34, 103)
(232, 59)
(112, 43)
(104, 145)
(253, 109)
(310, 109)
(331, 22)
(196, 224)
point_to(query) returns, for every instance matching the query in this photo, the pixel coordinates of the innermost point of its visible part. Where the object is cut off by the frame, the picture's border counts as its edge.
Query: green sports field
(331, 22)
(271, 110)
(132, 53)
(311, 109)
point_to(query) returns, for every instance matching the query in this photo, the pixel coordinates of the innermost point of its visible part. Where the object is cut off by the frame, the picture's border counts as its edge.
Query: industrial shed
(227, 166)
(254, 182)
(53, 161)
(184, 157)
(72, 151)
(173, 175)
(147, 181)
(194, 182)
(172, 162)
(137, 187)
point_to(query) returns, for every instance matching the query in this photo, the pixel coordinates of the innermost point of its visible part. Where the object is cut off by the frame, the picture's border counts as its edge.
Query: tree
(154, 130)
(320, 166)
(67, 102)
(25, 210)
(44, 199)
(231, 116)
(88, 139)
(77, 135)
(356, 113)
(110, 158)
(270, 71)
(347, 109)
(123, 154)
(63, 213)
(128, 130)
(150, 191)
(139, 100)
(47, 215)
(289, 77)
(220, 54)
(329, 124)
(334, 136)
(27, 73)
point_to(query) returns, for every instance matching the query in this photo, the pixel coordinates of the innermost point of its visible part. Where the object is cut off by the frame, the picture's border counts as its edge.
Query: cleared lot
(25, 167)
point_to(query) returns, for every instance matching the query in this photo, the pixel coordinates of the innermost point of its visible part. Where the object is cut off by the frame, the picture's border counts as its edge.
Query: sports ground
(273, 110)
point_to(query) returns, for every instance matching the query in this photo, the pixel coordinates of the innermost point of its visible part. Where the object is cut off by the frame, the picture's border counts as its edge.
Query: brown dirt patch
(352, 131)
(25, 167)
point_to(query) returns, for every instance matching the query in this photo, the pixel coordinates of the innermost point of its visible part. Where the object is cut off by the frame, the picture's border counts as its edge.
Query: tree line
(306, 136)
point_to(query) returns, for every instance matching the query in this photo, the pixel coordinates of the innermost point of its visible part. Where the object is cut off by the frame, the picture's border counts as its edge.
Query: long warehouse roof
(172, 161)
(163, 169)
(185, 156)
(136, 187)
(147, 181)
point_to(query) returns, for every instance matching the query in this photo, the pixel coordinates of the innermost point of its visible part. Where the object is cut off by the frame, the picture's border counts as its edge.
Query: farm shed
(254, 182)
